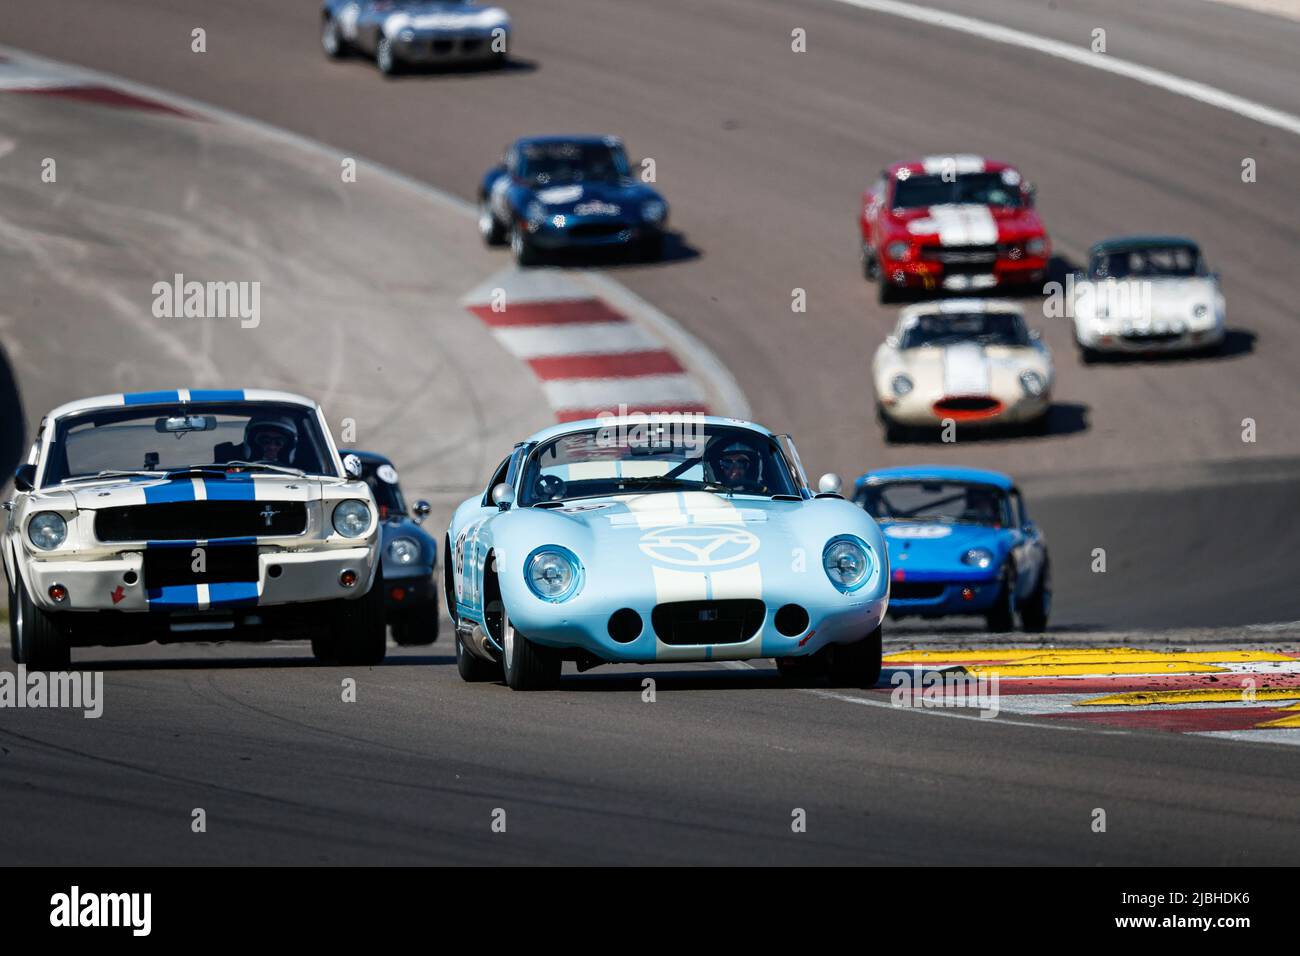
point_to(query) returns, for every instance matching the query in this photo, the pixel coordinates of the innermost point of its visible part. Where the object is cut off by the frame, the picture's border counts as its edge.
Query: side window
(498, 476)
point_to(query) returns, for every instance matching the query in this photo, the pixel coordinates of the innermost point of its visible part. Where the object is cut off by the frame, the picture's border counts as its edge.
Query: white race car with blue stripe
(187, 514)
(663, 539)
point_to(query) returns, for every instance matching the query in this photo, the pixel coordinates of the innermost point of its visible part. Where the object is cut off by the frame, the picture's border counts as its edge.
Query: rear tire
(857, 664)
(493, 233)
(527, 666)
(418, 627)
(1001, 616)
(360, 631)
(472, 669)
(39, 641)
(1034, 615)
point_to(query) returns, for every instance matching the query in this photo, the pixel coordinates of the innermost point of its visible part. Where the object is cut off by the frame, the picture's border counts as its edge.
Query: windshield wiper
(262, 465)
(662, 481)
(115, 473)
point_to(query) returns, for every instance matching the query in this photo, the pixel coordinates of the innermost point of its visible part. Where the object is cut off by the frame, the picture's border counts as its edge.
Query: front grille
(1141, 337)
(200, 520)
(961, 255)
(596, 230)
(442, 46)
(471, 44)
(708, 622)
(169, 567)
(967, 407)
(916, 590)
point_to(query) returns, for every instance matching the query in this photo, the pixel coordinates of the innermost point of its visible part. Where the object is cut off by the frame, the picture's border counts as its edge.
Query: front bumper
(934, 276)
(448, 46)
(1144, 343)
(830, 622)
(588, 233)
(967, 411)
(926, 594)
(117, 583)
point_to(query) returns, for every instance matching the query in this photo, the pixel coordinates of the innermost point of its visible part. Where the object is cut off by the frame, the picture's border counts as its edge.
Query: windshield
(382, 479)
(985, 189)
(162, 438)
(638, 459)
(1148, 263)
(987, 328)
(550, 163)
(943, 501)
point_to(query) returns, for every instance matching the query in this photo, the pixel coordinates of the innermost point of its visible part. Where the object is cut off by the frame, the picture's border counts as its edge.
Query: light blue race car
(960, 542)
(668, 538)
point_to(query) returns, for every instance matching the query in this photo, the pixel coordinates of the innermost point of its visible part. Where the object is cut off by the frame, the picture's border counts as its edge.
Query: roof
(960, 163)
(1120, 243)
(940, 472)
(614, 421)
(585, 138)
(177, 396)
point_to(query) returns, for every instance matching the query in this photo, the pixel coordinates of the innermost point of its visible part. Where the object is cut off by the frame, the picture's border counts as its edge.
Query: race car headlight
(899, 250)
(552, 573)
(351, 518)
(1033, 383)
(1200, 311)
(47, 530)
(653, 211)
(403, 551)
(978, 558)
(1036, 246)
(847, 563)
(901, 385)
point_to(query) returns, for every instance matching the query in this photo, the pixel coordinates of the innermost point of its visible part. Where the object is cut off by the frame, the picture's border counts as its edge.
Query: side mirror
(422, 509)
(352, 465)
(829, 484)
(503, 496)
(25, 477)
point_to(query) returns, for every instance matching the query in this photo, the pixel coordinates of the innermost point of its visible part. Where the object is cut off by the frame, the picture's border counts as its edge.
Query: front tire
(360, 631)
(472, 669)
(1034, 615)
(527, 666)
(524, 252)
(331, 41)
(386, 58)
(858, 664)
(1001, 616)
(489, 228)
(418, 627)
(39, 641)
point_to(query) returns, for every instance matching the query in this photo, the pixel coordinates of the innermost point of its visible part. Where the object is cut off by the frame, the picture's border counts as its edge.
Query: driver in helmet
(984, 506)
(736, 464)
(271, 439)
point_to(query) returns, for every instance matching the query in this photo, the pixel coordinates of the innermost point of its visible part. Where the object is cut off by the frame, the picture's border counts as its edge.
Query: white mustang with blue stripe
(662, 538)
(174, 514)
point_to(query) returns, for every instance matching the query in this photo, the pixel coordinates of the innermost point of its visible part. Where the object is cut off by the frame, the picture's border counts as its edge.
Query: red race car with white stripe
(959, 223)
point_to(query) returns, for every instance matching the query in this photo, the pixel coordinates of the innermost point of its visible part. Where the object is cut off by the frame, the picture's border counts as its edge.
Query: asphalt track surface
(763, 154)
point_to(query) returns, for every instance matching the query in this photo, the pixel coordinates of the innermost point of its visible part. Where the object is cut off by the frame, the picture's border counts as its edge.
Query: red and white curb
(594, 357)
(32, 76)
(1235, 694)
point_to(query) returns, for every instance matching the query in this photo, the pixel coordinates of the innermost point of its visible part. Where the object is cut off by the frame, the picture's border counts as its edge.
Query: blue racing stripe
(231, 488)
(232, 592)
(170, 544)
(150, 398)
(181, 490)
(217, 395)
(174, 596)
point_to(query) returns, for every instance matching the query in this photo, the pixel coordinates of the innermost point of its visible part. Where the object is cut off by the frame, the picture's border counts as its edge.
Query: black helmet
(277, 424)
(724, 456)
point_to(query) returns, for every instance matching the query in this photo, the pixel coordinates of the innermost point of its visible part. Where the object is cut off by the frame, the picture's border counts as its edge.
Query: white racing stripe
(1181, 86)
(965, 370)
(963, 225)
(935, 165)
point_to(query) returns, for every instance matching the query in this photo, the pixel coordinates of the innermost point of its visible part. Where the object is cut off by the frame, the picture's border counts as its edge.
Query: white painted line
(955, 713)
(643, 391)
(1265, 735)
(586, 338)
(1181, 86)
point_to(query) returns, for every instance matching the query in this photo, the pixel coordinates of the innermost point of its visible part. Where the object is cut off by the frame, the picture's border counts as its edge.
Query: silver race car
(402, 33)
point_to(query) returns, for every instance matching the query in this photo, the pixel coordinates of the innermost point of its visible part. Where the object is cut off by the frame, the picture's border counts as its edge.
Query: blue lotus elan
(960, 542)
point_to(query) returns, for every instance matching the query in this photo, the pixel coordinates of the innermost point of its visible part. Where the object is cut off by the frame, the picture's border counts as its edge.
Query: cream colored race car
(971, 362)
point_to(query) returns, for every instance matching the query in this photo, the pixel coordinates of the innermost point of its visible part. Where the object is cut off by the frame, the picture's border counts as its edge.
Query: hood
(968, 368)
(595, 198)
(1166, 299)
(116, 493)
(961, 224)
(921, 548)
